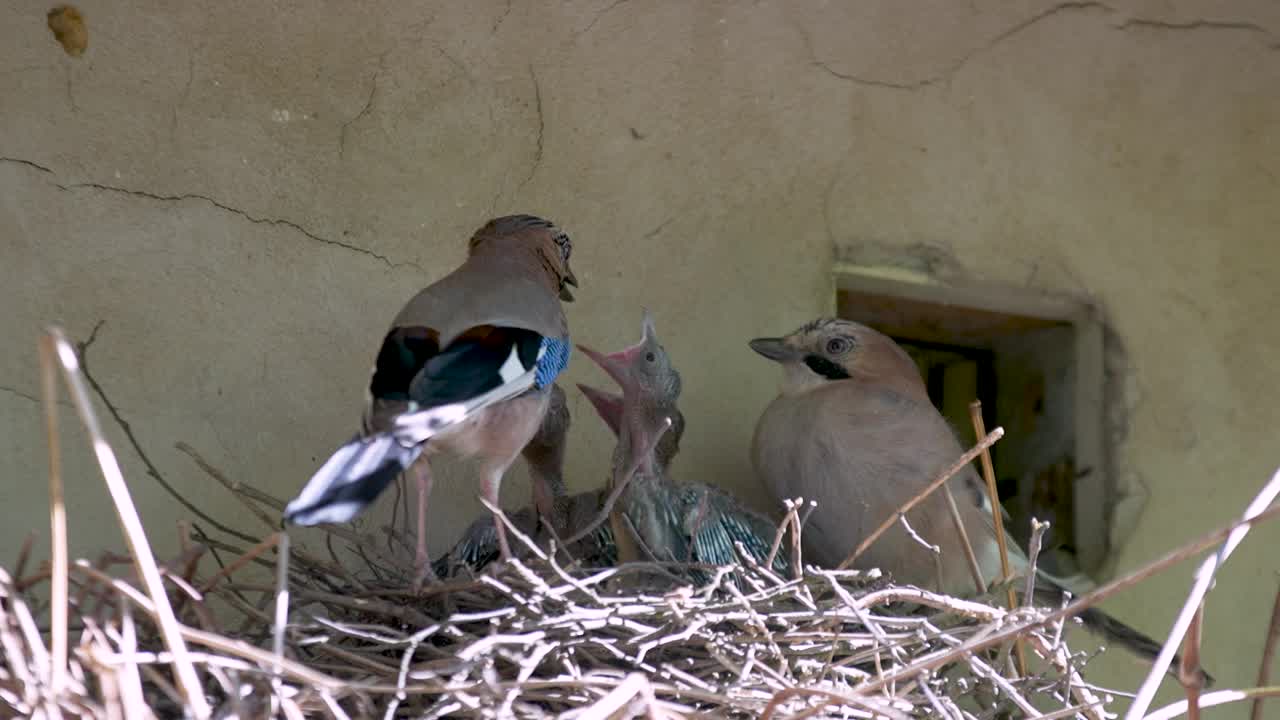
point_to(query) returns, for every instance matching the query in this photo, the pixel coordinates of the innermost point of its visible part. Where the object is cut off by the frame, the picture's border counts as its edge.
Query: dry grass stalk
(1221, 697)
(970, 558)
(989, 477)
(1189, 667)
(57, 517)
(126, 511)
(1268, 653)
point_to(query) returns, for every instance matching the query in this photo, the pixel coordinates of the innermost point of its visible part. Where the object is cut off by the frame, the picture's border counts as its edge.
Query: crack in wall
(660, 227)
(955, 67)
(255, 219)
(28, 163)
(1076, 6)
(18, 393)
(596, 18)
(368, 105)
(458, 65)
(542, 127)
(82, 349)
(501, 18)
(32, 398)
(1194, 25)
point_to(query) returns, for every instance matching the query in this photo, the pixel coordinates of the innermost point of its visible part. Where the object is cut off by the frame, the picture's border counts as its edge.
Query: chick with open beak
(655, 518)
(650, 386)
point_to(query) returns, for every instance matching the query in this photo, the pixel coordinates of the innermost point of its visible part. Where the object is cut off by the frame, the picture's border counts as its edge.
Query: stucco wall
(232, 202)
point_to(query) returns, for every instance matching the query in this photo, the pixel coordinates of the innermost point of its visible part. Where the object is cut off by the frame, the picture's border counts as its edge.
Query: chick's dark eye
(837, 346)
(650, 357)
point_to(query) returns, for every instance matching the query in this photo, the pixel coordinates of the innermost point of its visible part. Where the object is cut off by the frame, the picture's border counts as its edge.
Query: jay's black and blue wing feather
(432, 389)
(470, 367)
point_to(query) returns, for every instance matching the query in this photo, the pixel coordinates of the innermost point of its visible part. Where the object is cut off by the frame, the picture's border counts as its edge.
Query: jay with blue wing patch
(466, 368)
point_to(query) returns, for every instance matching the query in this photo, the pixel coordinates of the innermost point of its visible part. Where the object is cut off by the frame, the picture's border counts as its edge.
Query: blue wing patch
(553, 358)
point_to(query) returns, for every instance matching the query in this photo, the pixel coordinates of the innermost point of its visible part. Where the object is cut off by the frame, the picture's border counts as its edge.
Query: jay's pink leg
(422, 561)
(489, 485)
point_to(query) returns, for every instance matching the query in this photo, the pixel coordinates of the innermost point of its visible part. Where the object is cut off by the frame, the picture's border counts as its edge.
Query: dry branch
(1268, 653)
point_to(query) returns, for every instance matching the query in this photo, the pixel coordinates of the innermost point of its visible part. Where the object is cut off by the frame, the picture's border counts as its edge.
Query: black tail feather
(353, 477)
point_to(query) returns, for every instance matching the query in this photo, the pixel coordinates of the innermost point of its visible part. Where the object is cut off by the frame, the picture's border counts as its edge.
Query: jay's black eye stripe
(825, 367)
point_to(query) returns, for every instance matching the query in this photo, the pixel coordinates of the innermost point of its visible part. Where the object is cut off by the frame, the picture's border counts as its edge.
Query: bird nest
(539, 636)
(205, 635)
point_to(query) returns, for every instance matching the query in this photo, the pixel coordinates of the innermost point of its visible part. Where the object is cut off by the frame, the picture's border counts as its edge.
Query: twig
(935, 552)
(131, 683)
(1268, 653)
(790, 517)
(943, 711)
(134, 533)
(500, 516)
(282, 609)
(1033, 554)
(615, 700)
(1204, 577)
(243, 493)
(1189, 668)
(236, 487)
(1221, 697)
(997, 513)
(1057, 654)
(57, 517)
(24, 554)
(797, 534)
(248, 556)
(944, 476)
(979, 585)
(989, 476)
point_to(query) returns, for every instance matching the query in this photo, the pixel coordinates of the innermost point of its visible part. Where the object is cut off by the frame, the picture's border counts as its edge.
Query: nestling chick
(663, 519)
(545, 457)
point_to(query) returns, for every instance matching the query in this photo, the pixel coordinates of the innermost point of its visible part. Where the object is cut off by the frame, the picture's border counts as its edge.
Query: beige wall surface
(231, 202)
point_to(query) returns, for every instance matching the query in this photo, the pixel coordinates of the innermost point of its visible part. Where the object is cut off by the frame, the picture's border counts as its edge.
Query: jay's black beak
(569, 279)
(775, 349)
